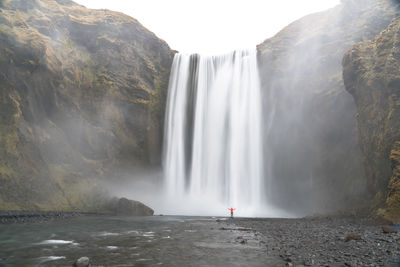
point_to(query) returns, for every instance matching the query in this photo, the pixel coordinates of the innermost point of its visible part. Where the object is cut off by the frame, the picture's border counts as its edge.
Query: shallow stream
(128, 241)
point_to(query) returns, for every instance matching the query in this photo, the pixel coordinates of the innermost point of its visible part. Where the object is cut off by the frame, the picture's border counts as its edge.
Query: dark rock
(288, 260)
(82, 262)
(241, 240)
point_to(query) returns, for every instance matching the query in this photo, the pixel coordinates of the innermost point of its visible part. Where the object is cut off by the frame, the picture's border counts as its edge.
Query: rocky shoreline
(325, 241)
(116, 206)
(318, 241)
(7, 217)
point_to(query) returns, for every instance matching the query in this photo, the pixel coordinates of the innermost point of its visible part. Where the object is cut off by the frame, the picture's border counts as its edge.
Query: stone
(82, 262)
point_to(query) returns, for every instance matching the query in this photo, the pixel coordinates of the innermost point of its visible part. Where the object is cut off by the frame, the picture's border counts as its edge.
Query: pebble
(326, 241)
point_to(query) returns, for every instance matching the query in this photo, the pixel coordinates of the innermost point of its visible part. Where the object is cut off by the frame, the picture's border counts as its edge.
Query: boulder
(128, 207)
(82, 262)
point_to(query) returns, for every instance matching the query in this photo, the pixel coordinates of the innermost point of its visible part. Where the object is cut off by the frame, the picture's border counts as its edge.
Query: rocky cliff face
(82, 94)
(371, 72)
(311, 127)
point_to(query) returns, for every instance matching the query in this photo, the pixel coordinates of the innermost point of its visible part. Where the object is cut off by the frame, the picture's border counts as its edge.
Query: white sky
(213, 26)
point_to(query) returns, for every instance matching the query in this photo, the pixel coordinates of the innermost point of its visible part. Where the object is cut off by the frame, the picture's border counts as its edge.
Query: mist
(312, 160)
(94, 104)
(312, 155)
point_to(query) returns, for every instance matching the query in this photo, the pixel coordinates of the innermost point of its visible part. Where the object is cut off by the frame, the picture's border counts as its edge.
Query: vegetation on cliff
(371, 72)
(82, 94)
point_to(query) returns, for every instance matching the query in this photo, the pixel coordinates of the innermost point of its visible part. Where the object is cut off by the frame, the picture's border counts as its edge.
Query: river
(131, 241)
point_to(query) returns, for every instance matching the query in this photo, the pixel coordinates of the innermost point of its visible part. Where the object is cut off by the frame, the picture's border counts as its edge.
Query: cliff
(371, 72)
(82, 95)
(311, 128)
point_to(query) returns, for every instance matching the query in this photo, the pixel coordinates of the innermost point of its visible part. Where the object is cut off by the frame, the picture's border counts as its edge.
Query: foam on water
(50, 258)
(56, 242)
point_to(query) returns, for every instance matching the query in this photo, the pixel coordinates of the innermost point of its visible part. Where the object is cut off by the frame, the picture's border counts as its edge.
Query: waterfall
(213, 134)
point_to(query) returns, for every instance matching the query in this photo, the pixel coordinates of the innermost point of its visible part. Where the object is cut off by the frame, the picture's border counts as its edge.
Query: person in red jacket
(231, 209)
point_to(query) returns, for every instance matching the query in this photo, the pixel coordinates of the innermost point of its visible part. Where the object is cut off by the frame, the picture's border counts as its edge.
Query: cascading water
(213, 135)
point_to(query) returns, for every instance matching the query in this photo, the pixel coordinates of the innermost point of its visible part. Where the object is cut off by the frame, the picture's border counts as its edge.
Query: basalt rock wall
(371, 72)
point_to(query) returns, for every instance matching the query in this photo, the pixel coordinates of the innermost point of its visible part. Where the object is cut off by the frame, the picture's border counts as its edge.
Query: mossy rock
(127, 207)
(393, 197)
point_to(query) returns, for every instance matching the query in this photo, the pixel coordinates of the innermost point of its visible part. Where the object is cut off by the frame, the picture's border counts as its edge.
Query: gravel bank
(328, 241)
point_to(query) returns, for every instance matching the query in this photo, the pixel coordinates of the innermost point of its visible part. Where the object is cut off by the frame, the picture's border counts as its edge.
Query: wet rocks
(241, 240)
(82, 262)
(236, 229)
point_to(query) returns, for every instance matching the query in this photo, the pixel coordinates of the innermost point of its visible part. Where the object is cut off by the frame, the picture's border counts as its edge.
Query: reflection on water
(125, 241)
